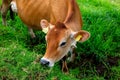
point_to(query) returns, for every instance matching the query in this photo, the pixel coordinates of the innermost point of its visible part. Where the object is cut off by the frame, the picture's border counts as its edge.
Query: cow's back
(32, 11)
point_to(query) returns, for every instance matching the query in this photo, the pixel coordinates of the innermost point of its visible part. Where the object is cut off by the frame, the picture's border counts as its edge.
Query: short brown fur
(32, 11)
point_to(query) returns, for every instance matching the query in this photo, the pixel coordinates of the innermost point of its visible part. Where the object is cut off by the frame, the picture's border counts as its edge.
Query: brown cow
(61, 39)
(4, 9)
(63, 21)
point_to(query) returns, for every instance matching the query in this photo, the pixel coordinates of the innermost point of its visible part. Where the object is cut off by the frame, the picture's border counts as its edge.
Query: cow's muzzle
(46, 62)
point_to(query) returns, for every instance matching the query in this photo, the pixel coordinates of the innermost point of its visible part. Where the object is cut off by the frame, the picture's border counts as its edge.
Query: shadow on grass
(90, 62)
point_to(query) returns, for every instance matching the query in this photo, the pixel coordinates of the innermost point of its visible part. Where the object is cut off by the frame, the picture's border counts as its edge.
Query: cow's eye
(63, 44)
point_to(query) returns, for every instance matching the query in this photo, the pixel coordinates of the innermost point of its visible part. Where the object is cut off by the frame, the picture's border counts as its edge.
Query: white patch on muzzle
(13, 6)
(51, 63)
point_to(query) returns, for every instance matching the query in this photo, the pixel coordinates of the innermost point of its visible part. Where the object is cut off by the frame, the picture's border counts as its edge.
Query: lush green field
(97, 59)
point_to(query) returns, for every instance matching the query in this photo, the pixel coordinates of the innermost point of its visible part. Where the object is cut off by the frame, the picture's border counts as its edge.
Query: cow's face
(59, 40)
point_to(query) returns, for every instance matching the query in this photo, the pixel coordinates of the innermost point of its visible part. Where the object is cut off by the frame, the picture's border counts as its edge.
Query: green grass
(0, 1)
(97, 59)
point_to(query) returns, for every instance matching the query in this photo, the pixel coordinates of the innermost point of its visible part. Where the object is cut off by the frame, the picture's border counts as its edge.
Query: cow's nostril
(44, 62)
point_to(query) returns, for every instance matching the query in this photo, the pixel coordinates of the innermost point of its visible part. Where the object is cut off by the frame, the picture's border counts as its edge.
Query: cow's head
(59, 40)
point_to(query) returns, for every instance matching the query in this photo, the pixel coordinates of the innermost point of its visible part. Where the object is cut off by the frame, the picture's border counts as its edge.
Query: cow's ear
(81, 36)
(44, 25)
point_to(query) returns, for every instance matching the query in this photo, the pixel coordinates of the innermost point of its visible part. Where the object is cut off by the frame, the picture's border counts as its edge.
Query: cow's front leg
(4, 10)
(64, 65)
(32, 34)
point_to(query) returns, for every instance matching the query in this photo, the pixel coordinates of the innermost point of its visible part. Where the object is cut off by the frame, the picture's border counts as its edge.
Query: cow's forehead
(57, 32)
